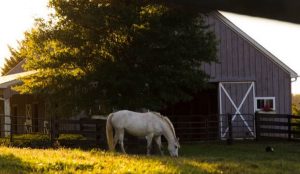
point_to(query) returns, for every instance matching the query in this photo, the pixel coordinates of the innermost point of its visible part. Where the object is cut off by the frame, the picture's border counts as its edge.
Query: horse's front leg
(157, 139)
(149, 143)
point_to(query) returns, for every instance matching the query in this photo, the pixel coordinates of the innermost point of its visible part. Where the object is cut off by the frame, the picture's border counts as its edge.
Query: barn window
(265, 104)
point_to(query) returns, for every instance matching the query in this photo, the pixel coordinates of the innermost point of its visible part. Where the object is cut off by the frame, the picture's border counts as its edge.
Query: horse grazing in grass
(150, 125)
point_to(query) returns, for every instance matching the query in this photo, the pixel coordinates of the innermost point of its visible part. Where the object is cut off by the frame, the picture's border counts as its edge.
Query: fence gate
(237, 98)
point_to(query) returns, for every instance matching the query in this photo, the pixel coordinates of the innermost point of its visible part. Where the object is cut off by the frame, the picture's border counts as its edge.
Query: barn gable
(236, 47)
(241, 59)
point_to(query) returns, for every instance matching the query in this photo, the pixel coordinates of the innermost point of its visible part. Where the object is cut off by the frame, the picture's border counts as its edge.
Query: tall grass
(195, 158)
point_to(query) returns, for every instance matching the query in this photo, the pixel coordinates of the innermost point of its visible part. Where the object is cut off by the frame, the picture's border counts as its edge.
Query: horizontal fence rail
(20, 128)
(278, 126)
(15, 127)
(191, 128)
(93, 130)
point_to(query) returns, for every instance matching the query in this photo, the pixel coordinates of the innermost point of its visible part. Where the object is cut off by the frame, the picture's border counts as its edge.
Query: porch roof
(13, 79)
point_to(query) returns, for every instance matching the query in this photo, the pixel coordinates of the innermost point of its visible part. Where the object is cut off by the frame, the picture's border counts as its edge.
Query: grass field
(197, 158)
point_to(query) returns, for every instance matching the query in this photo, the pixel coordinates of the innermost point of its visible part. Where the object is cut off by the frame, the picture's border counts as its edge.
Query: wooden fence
(19, 128)
(18, 125)
(277, 126)
(189, 128)
(92, 129)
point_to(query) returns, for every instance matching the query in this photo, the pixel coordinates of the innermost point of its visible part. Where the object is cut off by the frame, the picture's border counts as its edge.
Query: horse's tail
(109, 133)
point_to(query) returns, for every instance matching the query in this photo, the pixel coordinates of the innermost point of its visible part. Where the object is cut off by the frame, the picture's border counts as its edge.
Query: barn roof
(259, 47)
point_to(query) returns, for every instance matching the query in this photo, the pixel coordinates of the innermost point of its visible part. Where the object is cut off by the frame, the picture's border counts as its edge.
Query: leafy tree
(117, 54)
(295, 110)
(296, 100)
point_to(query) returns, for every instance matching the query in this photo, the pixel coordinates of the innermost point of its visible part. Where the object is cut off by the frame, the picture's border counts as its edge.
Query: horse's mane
(167, 120)
(170, 124)
(157, 114)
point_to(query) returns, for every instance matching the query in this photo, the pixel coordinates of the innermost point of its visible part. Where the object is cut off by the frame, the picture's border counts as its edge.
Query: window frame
(265, 98)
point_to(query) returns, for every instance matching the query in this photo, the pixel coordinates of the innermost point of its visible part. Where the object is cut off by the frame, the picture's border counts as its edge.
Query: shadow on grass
(241, 157)
(12, 164)
(247, 157)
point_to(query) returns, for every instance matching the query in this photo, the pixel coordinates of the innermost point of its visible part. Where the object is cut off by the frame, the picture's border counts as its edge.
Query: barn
(247, 79)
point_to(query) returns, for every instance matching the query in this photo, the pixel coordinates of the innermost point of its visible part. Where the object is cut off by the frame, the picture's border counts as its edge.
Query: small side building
(20, 113)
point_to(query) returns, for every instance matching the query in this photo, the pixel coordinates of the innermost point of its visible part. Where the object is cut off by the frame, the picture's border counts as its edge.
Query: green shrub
(71, 137)
(27, 140)
(76, 141)
(32, 140)
(44, 141)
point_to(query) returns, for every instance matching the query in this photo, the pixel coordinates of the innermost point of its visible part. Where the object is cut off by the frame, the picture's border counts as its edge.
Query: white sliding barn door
(237, 98)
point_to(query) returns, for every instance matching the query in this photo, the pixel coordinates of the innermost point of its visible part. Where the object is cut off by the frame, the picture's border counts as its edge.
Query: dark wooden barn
(247, 79)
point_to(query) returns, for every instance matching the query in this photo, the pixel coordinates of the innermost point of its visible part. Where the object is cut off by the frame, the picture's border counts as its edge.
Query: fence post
(81, 127)
(289, 128)
(229, 122)
(257, 126)
(98, 133)
(11, 129)
(54, 129)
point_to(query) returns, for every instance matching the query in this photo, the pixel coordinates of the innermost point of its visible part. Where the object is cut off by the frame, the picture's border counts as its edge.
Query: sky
(17, 16)
(282, 39)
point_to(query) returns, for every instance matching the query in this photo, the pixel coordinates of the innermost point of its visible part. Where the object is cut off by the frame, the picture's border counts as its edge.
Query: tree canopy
(122, 54)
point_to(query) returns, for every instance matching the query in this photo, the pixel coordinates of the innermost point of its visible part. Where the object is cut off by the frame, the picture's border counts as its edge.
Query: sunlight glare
(17, 16)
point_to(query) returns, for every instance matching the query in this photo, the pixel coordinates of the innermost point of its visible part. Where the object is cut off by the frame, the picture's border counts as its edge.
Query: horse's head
(173, 148)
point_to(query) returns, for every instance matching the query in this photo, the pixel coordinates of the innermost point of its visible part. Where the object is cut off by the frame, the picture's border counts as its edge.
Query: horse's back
(139, 124)
(125, 117)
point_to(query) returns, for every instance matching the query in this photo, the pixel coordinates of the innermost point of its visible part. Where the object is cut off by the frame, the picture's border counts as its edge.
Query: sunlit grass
(67, 160)
(196, 158)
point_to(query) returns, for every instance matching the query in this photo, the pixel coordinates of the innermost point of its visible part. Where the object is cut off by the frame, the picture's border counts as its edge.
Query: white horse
(149, 125)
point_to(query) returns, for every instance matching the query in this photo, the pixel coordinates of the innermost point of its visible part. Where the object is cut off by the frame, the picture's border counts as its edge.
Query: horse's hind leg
(121, 138)
(157, 139)
(116, 137)
(149, 143)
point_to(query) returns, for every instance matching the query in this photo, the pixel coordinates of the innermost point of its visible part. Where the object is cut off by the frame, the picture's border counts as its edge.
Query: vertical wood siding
(241, 61)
